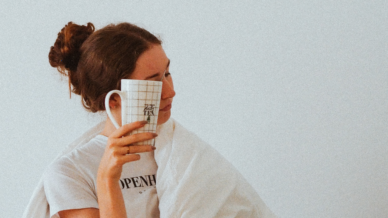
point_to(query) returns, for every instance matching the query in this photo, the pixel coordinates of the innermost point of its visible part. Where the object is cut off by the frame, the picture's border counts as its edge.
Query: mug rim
(140, 80)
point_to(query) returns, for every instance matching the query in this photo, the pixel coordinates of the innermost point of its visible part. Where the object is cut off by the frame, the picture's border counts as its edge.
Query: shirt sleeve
(67, 188)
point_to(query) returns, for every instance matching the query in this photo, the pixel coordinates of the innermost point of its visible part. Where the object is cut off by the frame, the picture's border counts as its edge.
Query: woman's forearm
(110, 199)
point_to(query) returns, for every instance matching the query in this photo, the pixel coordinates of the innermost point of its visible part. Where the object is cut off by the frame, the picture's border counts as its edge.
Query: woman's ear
(114, 101)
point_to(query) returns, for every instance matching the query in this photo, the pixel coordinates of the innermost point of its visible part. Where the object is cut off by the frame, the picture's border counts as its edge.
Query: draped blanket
(193, 180)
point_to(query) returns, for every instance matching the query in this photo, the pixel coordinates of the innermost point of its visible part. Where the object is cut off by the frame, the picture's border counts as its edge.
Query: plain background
(292, 93)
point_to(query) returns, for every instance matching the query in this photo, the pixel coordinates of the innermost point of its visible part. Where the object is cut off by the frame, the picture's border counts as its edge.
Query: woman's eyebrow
(157, 74)
(152, 76)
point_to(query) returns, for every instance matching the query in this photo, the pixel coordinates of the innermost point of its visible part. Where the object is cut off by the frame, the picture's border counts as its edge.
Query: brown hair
(96, 61)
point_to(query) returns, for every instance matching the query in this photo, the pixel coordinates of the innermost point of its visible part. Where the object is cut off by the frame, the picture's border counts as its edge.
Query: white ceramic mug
(140, 101)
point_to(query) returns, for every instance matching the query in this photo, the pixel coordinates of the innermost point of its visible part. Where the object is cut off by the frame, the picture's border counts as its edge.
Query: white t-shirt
(70, 181)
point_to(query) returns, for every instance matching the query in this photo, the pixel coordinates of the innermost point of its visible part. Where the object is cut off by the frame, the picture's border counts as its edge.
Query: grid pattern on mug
(142, 104)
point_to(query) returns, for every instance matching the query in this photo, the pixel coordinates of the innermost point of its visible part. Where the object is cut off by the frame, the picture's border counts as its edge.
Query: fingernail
(153, 148)
(143, 122)
(154, 134)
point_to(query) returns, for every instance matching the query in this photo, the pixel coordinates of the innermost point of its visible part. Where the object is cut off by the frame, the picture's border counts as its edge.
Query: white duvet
(193, 180)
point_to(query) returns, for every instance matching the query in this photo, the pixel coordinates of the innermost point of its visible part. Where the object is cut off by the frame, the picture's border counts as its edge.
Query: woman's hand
(120, 151)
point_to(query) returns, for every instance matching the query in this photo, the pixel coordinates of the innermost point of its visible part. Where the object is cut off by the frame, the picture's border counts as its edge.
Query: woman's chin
(163, 116)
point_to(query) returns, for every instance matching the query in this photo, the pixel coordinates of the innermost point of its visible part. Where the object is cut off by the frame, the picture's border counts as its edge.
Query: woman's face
(151, 65)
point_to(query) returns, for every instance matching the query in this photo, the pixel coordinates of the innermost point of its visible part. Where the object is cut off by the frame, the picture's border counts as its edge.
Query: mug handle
(107, 105)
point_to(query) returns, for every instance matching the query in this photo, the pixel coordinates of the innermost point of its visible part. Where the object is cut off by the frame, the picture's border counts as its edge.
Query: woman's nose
(167, 89)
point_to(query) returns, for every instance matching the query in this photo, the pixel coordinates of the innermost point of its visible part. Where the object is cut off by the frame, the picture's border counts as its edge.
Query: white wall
(293, 93)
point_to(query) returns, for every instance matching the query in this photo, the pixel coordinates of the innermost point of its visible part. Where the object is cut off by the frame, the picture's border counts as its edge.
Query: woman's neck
(109, 128)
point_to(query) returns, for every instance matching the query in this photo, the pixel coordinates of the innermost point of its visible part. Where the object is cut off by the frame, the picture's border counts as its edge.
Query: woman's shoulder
(186, 136)
(81, 158)
(69, 181)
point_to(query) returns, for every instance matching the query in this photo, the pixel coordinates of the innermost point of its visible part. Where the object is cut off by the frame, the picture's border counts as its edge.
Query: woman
(124, 176)
(95, 63)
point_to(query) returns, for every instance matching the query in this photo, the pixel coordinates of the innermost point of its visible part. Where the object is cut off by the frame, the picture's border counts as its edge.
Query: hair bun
(65, 53)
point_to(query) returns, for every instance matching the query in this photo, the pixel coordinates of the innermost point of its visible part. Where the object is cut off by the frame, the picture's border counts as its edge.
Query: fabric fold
(194, 180)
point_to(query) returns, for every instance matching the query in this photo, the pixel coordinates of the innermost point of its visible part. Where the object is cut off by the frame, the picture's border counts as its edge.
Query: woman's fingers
(129, 153)
(131, 157)
(133, 149)
(122, 159)
(127, 140)
(139, 137)
(127, 128)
